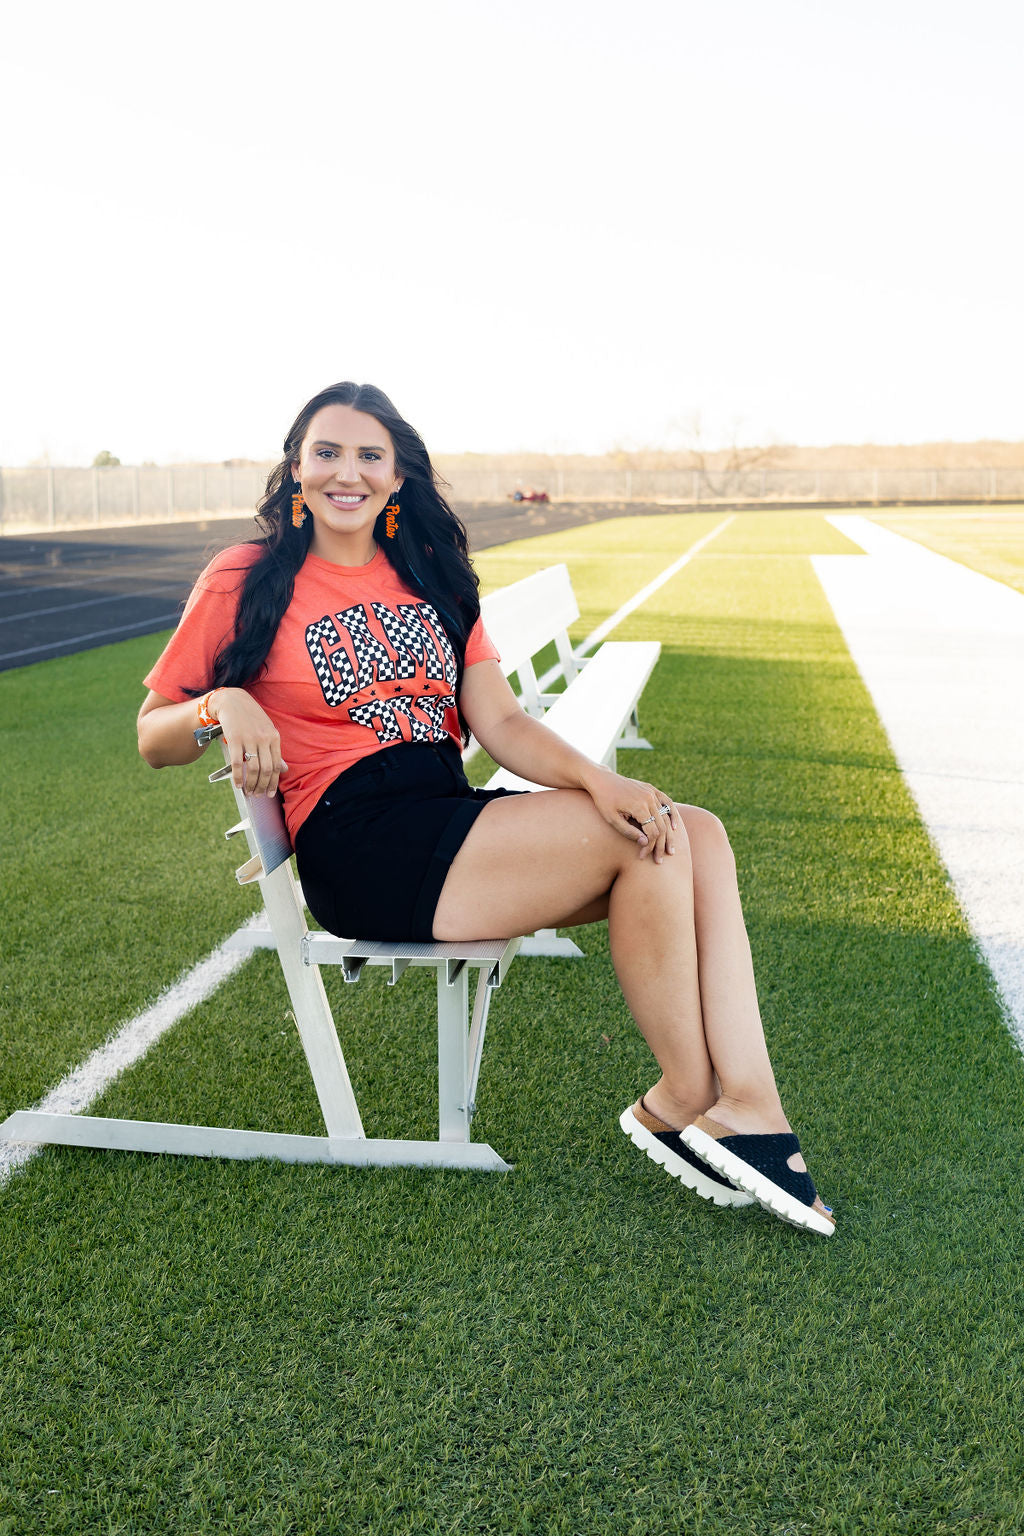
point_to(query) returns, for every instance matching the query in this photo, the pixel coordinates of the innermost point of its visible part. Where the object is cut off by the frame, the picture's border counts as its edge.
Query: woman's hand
(637, 810)
(527, 747)
(252, 740)
(167, 736)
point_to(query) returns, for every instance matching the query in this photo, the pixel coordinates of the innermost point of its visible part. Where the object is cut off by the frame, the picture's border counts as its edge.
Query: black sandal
(664, 1146)
(760, 1165)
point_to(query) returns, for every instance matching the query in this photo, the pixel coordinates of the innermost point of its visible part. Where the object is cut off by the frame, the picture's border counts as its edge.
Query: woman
(344, 657)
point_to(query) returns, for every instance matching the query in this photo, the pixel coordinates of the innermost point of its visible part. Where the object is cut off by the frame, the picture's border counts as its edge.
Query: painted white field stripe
(941, 651)
(605, 629)
(80, 1088)
(628, 607)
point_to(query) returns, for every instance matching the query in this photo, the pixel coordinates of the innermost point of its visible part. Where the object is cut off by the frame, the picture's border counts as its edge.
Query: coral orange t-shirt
(359, 663)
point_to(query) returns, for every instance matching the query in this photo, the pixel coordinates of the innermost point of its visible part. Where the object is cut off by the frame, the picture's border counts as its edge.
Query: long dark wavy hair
(429, 551)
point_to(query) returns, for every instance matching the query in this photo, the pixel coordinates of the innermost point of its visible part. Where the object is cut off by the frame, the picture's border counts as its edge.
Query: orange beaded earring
(298, 510)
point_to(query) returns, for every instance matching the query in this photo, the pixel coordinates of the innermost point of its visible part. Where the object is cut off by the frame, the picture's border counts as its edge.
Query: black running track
(61, 593)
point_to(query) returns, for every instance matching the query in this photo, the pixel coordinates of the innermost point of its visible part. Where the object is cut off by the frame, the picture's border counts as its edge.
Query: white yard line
(641, 597)
(75, 1093)
(941, 650)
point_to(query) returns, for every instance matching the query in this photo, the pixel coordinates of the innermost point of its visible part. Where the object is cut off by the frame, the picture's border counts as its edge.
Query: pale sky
(565, 225)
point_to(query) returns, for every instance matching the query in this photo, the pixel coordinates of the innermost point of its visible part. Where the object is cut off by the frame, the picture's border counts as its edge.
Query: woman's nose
(347, 469)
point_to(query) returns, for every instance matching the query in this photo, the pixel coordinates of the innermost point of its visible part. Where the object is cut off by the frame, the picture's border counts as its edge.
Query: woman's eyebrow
(323, 442)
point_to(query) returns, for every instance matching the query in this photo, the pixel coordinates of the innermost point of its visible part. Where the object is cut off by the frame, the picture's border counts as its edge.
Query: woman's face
(347, 472)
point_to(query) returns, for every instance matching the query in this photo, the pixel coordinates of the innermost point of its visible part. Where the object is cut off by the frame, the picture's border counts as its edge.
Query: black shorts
(374, 852)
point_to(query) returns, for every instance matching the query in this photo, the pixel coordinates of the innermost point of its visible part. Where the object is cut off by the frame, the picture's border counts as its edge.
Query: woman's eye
(373, 457)
(325, 453)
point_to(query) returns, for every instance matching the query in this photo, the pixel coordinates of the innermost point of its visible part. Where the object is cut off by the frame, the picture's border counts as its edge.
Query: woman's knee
(709, 841)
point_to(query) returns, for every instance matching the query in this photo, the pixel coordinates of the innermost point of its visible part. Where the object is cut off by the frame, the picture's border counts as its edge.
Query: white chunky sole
(677, 1168)
(775, 1199)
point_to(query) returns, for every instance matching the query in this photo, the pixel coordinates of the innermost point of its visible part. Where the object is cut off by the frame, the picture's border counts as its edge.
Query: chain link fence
(692, 487)
(41, 499)
(36, 500)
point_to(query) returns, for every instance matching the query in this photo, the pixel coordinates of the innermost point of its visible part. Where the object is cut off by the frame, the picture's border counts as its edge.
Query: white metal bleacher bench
(597, 712)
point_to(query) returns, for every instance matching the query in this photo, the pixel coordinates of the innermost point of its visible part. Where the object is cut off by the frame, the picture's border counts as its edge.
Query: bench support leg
(453, 1101)
(215, 1141)
(631, 737)
(546, 942)
(477, 1031)
(313, 1017)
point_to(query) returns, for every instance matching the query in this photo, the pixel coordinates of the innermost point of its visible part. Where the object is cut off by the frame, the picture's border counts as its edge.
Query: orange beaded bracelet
(206, 715)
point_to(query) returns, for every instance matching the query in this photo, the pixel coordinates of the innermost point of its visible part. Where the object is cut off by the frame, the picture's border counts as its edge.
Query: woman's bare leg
(747, 1099)
(676, 931)
(732, 1019)
(678, 940)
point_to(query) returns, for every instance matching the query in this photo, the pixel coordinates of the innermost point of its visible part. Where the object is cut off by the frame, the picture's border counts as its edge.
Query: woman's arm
(166, 731)
(167, 736)
(527, 747)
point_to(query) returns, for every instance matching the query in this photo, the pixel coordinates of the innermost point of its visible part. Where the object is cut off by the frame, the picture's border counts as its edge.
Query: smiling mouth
(345, 501)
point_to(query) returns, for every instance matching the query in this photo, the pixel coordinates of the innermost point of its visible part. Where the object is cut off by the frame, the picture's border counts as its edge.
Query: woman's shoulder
(228, 568)
(220, 580)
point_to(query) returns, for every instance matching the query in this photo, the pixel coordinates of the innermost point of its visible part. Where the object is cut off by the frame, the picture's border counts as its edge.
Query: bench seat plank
(594, 712)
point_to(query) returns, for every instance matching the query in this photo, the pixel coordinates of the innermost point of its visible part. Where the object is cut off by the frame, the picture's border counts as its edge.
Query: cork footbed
(648, 1121)
(712, 1128)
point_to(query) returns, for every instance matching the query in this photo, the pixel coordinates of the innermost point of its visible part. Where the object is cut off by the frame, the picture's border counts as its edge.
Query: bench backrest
(263, 821)
(525, 617)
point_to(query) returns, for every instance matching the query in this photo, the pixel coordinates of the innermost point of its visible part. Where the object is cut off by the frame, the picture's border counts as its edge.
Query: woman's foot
(754, 1120)
(758, 1152)
(739, 1118)
(676, 1110)
(664, 1146)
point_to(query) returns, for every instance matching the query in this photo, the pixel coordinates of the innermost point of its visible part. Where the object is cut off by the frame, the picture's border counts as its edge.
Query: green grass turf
(579, 1346)
(606, 566)
(988, 539)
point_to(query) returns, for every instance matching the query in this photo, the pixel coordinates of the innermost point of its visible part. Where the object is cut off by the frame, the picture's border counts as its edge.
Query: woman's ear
(398, 485)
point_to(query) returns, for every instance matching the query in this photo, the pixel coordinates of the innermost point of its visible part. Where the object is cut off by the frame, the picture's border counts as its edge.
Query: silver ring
(665, 810)
(648, 821)
(247, 757)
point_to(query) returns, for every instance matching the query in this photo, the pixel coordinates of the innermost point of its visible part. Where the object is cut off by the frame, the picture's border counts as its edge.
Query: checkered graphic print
(433, 706)
(381, 716)
(336, 688)
(419, 649)
(451, 671)
(414, 644)
(374, 661)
